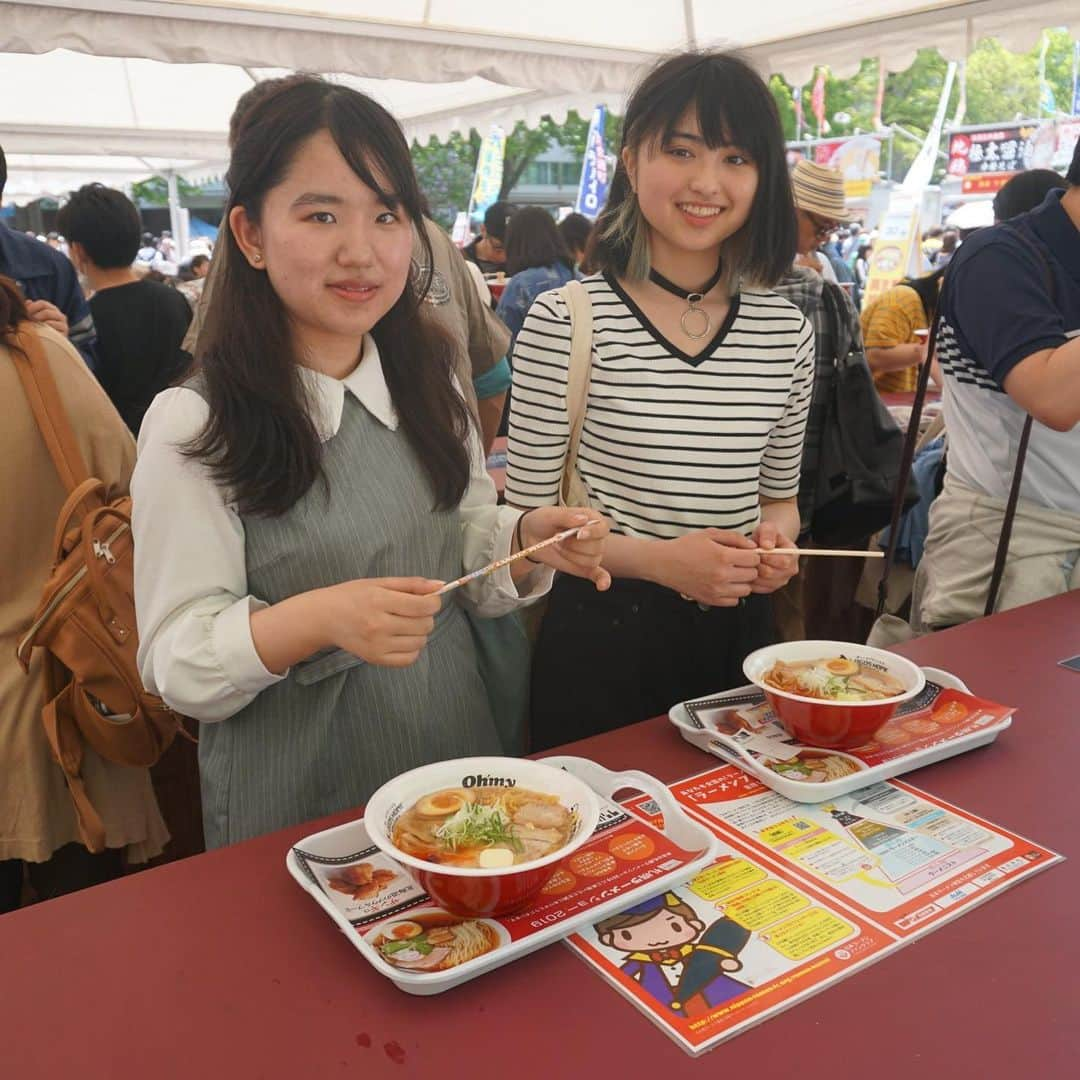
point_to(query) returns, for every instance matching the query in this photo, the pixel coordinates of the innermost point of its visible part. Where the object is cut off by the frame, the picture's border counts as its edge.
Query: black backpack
(861, 444)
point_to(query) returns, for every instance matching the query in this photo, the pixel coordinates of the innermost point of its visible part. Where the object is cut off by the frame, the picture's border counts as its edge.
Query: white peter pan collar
(365, 382)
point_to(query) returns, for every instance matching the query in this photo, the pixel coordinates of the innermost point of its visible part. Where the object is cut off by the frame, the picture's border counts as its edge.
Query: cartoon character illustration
(682, 963)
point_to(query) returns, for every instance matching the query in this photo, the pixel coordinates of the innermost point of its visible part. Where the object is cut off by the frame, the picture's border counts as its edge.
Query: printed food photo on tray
(363, 885)
(815, 766)
(429, 939)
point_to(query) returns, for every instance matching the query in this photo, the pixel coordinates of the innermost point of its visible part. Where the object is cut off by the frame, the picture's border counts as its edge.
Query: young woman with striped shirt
(700, 383)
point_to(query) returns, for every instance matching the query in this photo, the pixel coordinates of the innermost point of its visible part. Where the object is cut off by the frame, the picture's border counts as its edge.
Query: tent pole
(688, 16)
(174, 215)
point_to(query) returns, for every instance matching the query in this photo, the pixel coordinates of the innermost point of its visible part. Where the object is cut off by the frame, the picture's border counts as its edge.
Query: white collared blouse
(191, 596)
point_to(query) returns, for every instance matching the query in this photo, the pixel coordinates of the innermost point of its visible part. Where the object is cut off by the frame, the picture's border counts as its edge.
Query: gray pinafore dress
(329, 734)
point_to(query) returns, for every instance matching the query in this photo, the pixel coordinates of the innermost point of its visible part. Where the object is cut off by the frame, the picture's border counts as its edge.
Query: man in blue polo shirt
(48, 281)
(1009, 346)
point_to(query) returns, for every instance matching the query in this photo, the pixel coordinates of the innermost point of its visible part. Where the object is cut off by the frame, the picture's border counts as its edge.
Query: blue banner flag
(593, 188)
(1076, 79)
(489, 171)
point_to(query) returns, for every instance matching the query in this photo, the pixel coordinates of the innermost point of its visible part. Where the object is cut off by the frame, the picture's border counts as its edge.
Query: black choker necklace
(699, 322)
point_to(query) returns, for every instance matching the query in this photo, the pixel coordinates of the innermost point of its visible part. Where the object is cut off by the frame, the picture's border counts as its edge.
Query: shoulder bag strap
(52, 419)
(578, 376)
(844, 338)
(1002, 554)
(910, 439)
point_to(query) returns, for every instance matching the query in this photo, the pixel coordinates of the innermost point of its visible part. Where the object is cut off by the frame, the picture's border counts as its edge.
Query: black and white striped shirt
(670, 443)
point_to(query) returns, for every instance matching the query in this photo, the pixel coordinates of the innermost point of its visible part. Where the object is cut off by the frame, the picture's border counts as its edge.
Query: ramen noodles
(833, 679)
(485, 828)
(436, 941)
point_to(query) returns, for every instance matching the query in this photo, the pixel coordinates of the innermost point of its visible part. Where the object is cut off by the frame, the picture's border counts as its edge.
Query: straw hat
(819, 190)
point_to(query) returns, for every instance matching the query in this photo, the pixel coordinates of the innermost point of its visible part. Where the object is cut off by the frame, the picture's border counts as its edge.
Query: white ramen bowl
(841, 725)
(480, 890)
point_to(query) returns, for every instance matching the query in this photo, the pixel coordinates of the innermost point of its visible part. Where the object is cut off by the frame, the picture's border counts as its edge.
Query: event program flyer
(805, 895)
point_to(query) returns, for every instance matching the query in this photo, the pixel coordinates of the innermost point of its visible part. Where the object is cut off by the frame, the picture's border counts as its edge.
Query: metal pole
(174, 210)
(688, 20)
(916, 139)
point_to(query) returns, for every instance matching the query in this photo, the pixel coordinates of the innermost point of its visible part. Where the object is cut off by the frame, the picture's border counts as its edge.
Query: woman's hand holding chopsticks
(579, 554)
(715, 567)
(774, 571)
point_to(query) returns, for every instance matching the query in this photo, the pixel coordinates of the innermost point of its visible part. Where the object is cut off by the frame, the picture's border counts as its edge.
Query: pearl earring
(256, 257)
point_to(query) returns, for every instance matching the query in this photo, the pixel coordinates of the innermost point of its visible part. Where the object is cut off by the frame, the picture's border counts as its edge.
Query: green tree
(784, 97)
(1004, 86)
(155, 191)
(1059, 60)
(911, 99)
(523, 146)
(446, 169)
(575, 131)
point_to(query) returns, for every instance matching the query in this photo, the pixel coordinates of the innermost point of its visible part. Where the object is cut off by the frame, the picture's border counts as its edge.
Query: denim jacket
(522, 289)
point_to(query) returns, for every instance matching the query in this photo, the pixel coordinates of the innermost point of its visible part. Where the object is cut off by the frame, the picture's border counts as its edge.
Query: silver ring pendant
(704, 327)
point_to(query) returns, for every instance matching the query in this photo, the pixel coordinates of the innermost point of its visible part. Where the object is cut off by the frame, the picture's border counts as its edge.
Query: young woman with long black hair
(320, 452)
(700, 383)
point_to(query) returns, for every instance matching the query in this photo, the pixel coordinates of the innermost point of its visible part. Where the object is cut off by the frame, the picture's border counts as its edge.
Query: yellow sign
(894, 245)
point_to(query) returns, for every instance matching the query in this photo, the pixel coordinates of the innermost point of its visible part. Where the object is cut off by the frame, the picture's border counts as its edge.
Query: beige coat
(36, 816)
(953, 578)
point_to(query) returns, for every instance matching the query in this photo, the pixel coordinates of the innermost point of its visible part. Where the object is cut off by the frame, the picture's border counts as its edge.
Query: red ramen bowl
(474, 890)
(836, 725)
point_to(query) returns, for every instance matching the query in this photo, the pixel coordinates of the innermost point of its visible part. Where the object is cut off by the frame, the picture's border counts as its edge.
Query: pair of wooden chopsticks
(498, 564)
(837, 552)
(567, 533)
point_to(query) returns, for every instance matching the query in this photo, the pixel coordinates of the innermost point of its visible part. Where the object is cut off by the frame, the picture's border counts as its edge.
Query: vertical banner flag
(922, 168)
(1046, 92)
(879, 100)
(896, 251)
(593, 186)
(1076, 79)
(961, 104)
(489, 171)
(817, 101)
(800, 121)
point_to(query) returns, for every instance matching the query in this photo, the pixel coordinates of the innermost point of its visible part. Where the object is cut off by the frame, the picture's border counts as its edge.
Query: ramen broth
(833, 678)
(484, 828)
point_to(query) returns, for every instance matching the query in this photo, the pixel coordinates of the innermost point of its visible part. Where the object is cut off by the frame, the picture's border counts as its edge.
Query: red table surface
(221, 966)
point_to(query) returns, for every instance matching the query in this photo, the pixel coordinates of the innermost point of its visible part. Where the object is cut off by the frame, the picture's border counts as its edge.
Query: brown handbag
(86, 619)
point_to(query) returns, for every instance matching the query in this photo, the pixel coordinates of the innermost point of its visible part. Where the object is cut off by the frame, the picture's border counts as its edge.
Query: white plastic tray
(801, 791)
(344, 841)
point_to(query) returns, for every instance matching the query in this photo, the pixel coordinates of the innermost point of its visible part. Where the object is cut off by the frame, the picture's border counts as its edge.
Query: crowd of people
(314, 406)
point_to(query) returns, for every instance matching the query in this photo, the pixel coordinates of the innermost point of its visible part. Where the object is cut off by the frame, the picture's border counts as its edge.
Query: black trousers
(605, 660)
(71, 868)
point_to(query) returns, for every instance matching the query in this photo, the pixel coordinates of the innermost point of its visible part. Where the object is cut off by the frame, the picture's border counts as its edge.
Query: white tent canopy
(152, 82)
